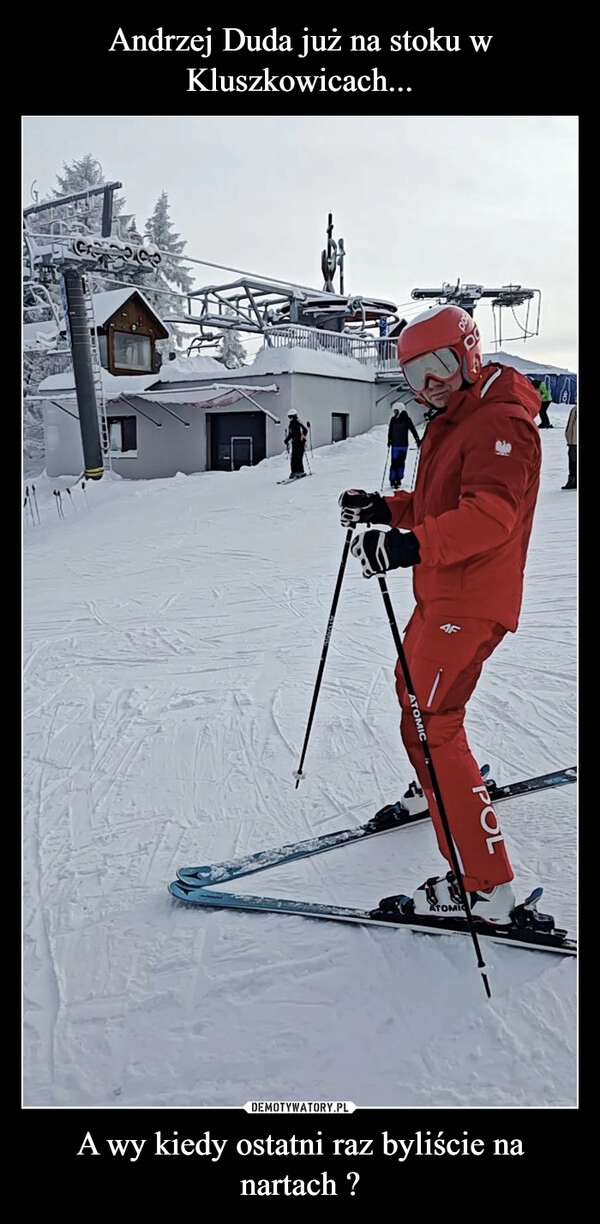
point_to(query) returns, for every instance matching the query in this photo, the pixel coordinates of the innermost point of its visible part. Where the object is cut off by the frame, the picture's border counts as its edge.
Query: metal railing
(376, 351)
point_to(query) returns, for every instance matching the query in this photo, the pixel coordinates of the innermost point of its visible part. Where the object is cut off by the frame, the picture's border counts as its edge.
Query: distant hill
(524, 365)
(561, 383)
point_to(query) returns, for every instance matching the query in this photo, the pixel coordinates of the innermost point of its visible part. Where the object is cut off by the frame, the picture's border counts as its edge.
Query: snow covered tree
(80, 215)
(158, 230)
(170, 275)
(78, 177)
(231, 350)
(83, 216)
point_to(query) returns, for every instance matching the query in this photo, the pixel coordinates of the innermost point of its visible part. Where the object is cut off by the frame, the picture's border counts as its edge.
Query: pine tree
(77, 177)
(158, 230)
(80, 215)
(171, 274)
(231, 350)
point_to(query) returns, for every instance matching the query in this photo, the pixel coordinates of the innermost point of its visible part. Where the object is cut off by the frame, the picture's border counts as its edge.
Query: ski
(393, 816)
(537, 932)
(290, 479)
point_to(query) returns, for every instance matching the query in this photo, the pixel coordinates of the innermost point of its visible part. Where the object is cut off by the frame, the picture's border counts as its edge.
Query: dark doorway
(236, 439)
(339, 426)
(122, 434)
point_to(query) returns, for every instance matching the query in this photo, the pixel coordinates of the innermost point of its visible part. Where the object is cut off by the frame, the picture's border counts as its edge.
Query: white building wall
(166, 445)
(316, 399)
(62, 440)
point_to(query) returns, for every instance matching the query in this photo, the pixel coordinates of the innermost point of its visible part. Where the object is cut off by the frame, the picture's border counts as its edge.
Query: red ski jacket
(474, 499)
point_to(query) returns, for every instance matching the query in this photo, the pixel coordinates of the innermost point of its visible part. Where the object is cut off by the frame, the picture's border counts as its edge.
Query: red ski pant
(444, 661)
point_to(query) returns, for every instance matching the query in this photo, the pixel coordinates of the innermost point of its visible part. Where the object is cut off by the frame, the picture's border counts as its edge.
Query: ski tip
(180, 889)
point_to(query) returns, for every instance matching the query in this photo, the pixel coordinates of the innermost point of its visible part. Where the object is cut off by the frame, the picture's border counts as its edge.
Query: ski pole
(309, 436)
(416, 713)
(415, 466)
(338, 586)
(305, 456)
(387, 455)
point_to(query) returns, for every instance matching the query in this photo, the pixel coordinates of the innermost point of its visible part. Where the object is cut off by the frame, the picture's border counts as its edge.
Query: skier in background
(295, 440)
(399, 427)
(465, 529)
(546, 398)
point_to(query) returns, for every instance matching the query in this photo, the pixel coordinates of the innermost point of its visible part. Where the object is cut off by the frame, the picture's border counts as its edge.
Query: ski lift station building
(191, 414)
(331, 359)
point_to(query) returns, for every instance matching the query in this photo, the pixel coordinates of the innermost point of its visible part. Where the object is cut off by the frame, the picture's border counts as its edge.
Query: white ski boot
(439, 897)
(414, 801)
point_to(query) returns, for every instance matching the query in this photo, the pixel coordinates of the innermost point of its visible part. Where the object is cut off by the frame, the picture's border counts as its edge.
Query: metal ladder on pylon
(96, 367)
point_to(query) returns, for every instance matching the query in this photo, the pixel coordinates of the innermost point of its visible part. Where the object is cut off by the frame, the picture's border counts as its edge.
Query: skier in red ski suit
(465, 529)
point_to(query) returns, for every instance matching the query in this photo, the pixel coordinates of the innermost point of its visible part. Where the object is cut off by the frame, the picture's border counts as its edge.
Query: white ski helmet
(291, 413)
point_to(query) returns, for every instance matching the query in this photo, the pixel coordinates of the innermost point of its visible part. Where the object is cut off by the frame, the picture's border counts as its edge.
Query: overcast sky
(419, 201)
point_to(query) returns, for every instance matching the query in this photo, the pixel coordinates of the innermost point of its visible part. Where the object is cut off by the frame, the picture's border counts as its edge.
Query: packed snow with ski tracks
(172, 635)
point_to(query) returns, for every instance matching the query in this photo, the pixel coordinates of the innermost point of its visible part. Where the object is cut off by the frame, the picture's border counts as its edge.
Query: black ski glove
(379, 551)
(360, 507)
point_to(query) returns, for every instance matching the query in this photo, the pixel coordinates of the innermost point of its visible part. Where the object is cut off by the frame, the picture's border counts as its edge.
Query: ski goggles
(441, 364)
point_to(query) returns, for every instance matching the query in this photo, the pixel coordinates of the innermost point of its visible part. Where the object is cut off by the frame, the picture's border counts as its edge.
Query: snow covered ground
(172, 636)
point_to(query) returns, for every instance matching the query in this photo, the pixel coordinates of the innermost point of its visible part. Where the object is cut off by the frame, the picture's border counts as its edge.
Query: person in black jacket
(295, 438)
(399, 427)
